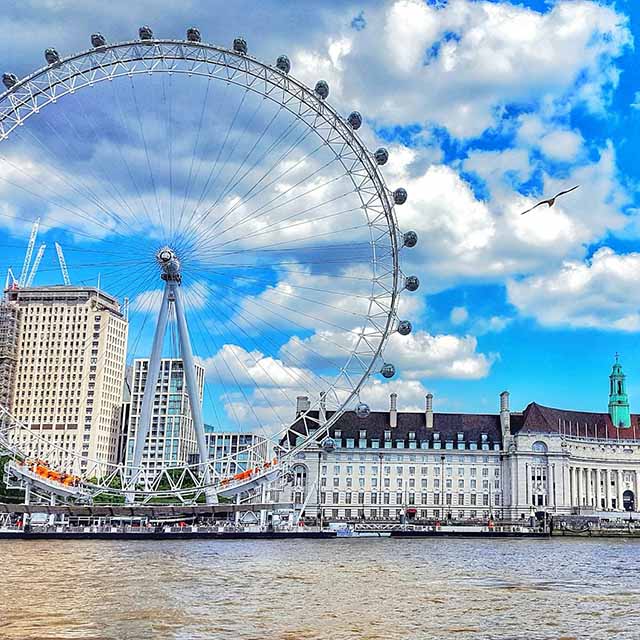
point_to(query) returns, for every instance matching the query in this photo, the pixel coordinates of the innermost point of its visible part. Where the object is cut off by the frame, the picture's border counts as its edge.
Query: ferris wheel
(246, 223)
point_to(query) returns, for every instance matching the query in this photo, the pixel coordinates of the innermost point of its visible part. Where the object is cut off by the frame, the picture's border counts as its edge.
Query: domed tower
(618, 399)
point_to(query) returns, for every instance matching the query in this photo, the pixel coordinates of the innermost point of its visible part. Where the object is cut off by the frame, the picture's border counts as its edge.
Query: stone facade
(508, 465)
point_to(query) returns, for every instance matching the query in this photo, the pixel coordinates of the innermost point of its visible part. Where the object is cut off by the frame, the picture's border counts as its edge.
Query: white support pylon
(172, 294)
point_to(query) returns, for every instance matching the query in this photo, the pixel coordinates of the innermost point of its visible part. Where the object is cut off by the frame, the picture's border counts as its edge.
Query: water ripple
(340, 589)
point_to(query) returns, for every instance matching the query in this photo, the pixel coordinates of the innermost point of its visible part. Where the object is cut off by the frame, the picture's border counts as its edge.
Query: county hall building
(507, 465)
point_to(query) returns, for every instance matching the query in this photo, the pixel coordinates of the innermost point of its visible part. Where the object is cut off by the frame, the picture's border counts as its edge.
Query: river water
(366, 588)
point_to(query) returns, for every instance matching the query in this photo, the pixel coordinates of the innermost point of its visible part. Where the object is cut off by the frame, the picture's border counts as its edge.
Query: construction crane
(63, 265)
(36, 264)
(29, 271)
(27, 258)
(11, 282)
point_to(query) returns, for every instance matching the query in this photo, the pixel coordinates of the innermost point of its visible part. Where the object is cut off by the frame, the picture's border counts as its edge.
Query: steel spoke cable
(269, 229)
(242, 313)
(97, 141)
(272, 265)
(242, 135)
(258, 389)
(63, 223)
(230, 184)
(79, 212)
(270, 247)
(323, 320)
(218, 156)
(125, 162)
(213, 307)
(84, 191)
(238, 313)
(332, 292)
(168, 112)
(190, 232)
(248, 195)
(54, 172)
(104, 180)
(252, 217)
(194, 153)
(146, 152)
(230, 398)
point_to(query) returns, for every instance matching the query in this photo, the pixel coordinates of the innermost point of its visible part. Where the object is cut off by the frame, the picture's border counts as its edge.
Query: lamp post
(442, 483)
(319, 503)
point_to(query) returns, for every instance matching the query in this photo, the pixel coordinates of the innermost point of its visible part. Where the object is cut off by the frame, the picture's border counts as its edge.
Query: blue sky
(485, 107)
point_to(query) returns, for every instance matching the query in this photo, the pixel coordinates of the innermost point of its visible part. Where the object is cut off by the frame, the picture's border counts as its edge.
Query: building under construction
(8, 351)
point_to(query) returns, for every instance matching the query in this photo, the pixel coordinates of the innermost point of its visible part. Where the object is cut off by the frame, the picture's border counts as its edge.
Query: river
(366, 588)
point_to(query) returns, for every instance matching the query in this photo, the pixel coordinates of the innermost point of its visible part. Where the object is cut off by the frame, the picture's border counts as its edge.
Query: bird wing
(535, 206)
(566, 191)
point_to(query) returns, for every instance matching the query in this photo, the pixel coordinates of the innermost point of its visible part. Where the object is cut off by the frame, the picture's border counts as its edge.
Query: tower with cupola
(618, 399)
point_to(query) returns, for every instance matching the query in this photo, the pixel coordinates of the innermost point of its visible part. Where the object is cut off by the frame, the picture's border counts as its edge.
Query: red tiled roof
(537, 418)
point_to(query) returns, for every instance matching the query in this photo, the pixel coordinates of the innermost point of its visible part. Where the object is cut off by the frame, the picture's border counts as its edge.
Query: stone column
(580, 485)
(572, 487)
(619, 488)
(607, 489)
(598, 490)
(589, 492)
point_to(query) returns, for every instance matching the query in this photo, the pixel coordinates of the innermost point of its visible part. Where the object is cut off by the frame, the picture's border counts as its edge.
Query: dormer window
(363, 433)
(387, 435)
(484, 437)
(337, 433)
(436, 436)
(460, 435)
(412, 435)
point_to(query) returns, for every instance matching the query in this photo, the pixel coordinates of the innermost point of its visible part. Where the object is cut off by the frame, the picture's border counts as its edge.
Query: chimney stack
(429, 410)
(505, 416)
(323, 408)
(393, 410)
(302, 404)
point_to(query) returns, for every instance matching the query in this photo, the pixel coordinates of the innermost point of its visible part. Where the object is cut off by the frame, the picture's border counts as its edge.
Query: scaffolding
(8, 351)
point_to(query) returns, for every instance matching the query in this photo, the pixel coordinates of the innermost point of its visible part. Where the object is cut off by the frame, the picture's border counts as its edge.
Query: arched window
(300, 476)
(539, 447)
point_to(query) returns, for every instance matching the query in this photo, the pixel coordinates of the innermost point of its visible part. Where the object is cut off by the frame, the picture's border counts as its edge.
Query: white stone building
(508, 465)
(68, 372)
(172, 438)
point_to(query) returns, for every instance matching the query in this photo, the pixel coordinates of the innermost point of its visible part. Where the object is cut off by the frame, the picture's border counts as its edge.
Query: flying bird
(550, 201)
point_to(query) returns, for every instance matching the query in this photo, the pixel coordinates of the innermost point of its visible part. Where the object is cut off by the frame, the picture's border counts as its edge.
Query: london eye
(247, 226)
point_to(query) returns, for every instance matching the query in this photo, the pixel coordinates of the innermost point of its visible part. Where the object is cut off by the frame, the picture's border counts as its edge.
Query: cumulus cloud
(459, 315)
(470, 56)
(418, 355)
(601, 293)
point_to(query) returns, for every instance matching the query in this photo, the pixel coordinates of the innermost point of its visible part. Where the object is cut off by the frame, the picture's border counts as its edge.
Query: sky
(485, 107)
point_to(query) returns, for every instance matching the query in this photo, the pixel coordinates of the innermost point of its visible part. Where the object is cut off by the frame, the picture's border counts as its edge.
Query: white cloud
(499, 54)
(423, 355)
(492, 324)
(602, 293)
(415, 356)
(459, 315)
(411, 394)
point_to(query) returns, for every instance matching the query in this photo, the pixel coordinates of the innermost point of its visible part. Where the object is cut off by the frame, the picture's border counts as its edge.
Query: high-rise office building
(67, 373)
(172, 438)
